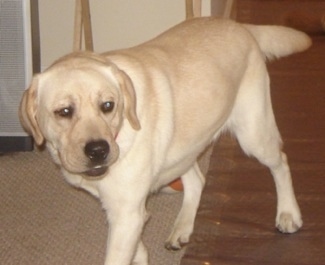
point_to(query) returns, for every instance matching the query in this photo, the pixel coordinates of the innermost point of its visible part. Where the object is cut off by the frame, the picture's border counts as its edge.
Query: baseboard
(16, 144)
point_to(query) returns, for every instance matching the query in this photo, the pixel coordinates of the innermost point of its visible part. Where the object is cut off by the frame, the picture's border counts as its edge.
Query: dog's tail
(279, 41)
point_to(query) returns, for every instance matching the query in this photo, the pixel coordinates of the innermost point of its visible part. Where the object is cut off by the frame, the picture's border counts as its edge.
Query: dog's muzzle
(96, 171)
(97, 152)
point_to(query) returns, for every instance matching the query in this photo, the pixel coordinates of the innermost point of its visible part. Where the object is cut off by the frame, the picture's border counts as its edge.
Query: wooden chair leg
(77, 26)
(197, 8)
(189, 9)
(82, 22)
(87, 25)
(193, 8)
(230, 9)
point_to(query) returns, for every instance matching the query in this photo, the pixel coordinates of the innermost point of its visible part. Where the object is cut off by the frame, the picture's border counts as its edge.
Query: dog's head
(77, 107)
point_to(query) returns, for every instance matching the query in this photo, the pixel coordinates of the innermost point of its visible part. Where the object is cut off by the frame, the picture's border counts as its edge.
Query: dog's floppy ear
(129, 98)
(27, 112)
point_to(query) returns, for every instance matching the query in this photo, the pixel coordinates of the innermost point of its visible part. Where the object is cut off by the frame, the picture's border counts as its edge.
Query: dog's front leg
(141, 255)
(126, 218)
(193, 181)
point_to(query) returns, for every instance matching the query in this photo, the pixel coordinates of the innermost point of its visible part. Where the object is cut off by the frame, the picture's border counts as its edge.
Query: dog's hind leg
(193, 182)
(257, 132)
(288, 218)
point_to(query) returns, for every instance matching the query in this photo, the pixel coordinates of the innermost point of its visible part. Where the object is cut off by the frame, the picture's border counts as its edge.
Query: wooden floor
(235, 223)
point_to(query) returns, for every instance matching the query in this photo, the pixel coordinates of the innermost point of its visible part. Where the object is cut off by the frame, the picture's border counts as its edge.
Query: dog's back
(274, 41)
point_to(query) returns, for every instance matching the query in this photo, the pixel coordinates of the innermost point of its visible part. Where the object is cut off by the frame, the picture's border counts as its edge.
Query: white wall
(115, 23)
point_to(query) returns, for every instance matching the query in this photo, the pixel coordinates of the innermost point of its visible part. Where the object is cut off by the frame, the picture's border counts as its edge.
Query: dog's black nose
(97, 151)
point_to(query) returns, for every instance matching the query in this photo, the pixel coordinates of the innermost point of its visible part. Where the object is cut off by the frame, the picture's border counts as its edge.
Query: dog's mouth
(96, 171)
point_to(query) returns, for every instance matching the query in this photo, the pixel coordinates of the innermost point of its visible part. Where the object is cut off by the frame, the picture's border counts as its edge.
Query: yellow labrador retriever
(126, 123)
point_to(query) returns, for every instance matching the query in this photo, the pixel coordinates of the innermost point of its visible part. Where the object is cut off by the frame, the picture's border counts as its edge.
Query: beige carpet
(43, 220)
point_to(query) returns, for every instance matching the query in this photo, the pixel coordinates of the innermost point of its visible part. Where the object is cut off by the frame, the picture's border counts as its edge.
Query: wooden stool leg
(197, 8)
(189, 9)
(82, 22)
(77, 26)
(87, 25)
(193, 8)
(230, 10)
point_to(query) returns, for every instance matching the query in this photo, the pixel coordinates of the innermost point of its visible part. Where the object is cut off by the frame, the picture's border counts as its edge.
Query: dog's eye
(107, 106)
(65, 112)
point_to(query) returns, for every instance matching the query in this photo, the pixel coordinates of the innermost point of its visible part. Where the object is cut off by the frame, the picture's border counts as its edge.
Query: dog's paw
(179, 237)
(288, 223)
(176, 245)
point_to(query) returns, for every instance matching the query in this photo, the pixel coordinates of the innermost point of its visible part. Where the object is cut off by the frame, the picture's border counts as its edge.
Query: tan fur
(173, 96)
